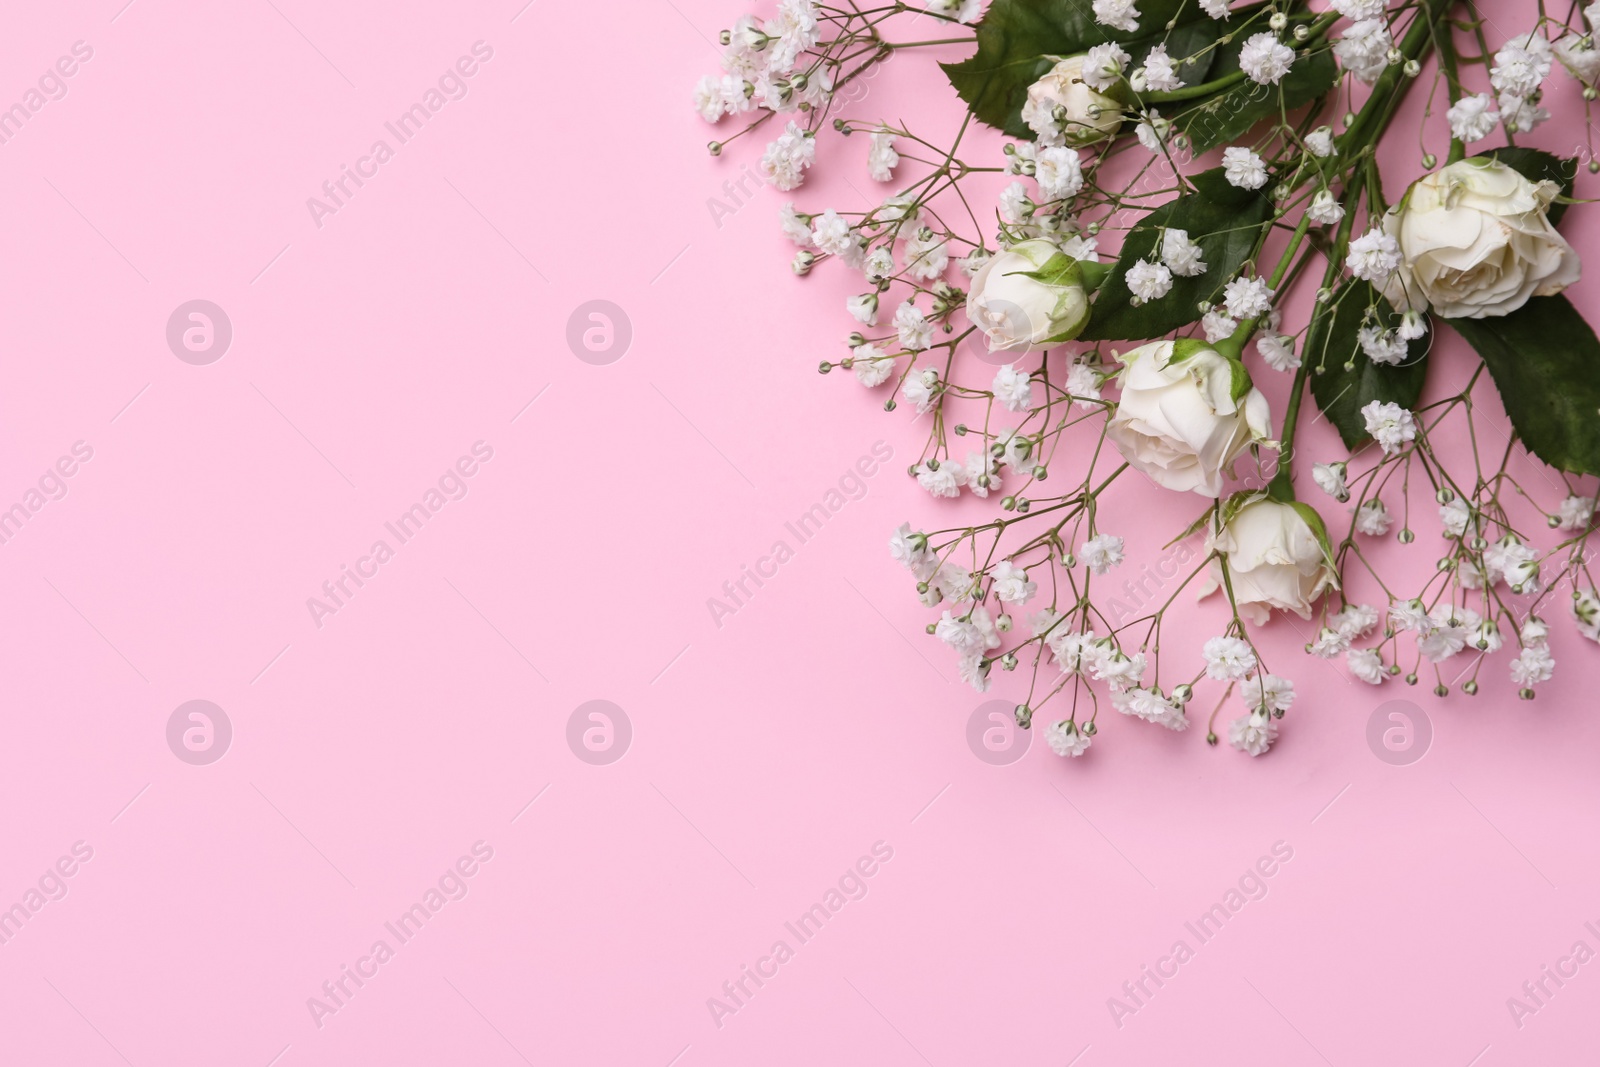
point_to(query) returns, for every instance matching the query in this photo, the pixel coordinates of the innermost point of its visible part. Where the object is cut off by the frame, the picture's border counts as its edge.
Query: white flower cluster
(1487, 564)
(995, 255)
(759, 60)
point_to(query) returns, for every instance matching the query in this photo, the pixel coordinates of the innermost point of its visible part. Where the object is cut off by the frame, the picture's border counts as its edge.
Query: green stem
(1483, 47)
(1282, 485)
(1415, 45)
(1446, 44)
(1190, 92)
(1373, 119)
(924, 44)
(1233, 345)
(1319, 30)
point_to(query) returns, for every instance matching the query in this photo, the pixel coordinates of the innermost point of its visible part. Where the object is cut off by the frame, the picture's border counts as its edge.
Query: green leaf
(1187, 347)
(1225, 221)
(1237, 503)
(1194, 527)
(1544, 359)
(1059, 269)
(1332, 343)
(1319, 530)
(1015, 37)
(1230, 114)
(1197, 38)
(1240, 383)
(1537, 166)
(1094, 274)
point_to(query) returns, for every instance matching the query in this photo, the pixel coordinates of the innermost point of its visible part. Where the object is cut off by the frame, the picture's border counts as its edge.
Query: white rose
(1186, 411)
(1476, 242)
(1085, 116)
(1029, 297)
(1278, 557)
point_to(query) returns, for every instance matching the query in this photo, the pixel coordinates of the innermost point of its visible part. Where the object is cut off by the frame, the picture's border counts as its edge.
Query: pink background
(768, 754)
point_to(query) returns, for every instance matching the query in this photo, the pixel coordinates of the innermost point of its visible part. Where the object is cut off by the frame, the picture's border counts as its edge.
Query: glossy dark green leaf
(1185, 39)
(1228, 115)
(1016, 36)
(1332, 345)
(1225, 221)
(1545, 360)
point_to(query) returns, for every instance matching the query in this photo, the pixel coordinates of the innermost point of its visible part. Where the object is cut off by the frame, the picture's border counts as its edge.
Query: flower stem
(1445, 43)
(1282, 485)
(1370, 123)
(1414, 45)
(1319, 29)
(1233, 345)
(897, 45)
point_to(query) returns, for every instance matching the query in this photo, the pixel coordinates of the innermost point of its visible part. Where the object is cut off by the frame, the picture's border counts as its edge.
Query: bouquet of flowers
(1174, 169)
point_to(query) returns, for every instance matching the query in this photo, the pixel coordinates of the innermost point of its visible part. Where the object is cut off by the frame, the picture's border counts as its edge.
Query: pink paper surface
(425, 722)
